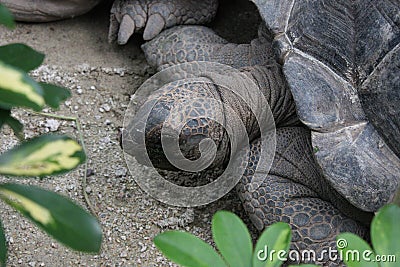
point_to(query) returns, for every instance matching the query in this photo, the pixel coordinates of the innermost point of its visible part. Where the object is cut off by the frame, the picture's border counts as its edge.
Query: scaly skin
(294, 190)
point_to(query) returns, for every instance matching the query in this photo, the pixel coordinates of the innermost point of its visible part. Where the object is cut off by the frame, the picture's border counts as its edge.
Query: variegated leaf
(55, 214)
(18, 89)
(41, 156)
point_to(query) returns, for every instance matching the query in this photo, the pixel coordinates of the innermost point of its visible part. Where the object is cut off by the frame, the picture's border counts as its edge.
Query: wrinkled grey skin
(355, 169)
(294, 191)
(48, 10)
(332, 83)
(335, 89)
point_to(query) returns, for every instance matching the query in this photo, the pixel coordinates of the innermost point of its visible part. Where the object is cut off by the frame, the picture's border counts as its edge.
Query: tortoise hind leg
(314, 222)
(189, 43)
(152, 16)
(284, 196)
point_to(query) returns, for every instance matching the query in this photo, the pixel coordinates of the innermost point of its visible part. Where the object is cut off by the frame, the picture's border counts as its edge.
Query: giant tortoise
(329, 70)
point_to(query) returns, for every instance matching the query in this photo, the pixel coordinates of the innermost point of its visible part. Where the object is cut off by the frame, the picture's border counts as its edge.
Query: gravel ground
(101, 77)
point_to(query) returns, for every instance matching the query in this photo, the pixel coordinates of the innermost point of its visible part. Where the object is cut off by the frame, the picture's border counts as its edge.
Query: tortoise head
(180, 126)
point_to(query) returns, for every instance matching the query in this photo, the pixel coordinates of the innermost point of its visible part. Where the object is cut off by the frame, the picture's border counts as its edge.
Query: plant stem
(79, 128)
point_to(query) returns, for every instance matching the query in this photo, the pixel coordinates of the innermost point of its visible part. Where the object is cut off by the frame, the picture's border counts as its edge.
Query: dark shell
(342, 62)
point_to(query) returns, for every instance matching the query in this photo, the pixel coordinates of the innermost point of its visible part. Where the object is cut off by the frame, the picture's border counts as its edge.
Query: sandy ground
(101, 77)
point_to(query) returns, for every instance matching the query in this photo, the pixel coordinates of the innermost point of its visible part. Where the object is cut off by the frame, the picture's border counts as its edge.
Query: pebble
(124, 254)
(106, 107)
(88, 190)
(89, 172)
(92, 87)
(143, 247)
(121, 172)
(52, 125)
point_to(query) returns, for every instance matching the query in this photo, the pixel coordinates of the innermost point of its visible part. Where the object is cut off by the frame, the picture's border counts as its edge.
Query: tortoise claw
(155, 24)
(126, 29)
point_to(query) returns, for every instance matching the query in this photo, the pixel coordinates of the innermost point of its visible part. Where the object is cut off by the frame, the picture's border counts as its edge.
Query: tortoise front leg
(152, 16)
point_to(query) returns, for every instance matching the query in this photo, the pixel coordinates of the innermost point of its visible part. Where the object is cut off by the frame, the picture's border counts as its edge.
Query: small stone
(101, 110)
(106, 107)
(105, 140)
(32, 263)
(143, 247)
(88, 190)
(107, 122)
(89, 172)
(54, 245)
(79, 91)
(52, 125)
(121, 172)
(124, 254)
(92, 87)
(71, 187)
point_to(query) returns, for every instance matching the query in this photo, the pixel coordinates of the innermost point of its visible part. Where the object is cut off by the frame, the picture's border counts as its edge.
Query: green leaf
(55, 214)
(16, 126)
(53, 94)
(354, 251)
(232, 239)
(21, 56)
(3, 247)
(276, 237)
(41, 156)
(6, 18)
(385, 234)
(187, 250)
(18, 89)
